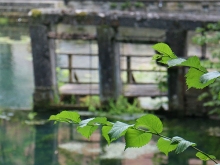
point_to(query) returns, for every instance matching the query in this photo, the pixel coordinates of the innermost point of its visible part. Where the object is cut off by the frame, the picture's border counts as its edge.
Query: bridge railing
(72, 70)
(125, 58)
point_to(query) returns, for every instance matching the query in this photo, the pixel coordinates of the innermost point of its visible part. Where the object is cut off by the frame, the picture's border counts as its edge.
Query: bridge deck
(133, 90)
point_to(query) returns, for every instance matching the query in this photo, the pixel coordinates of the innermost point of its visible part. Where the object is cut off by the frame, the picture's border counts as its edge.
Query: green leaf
(195, 63)
(175, 62)
(156, 56)
(165, 146)
(193, 79)
(136, 138)
(176, 139)
(203, 157)
(88, 126)
(105, 131)
(84, 123)
(151, 122)
(209, 76)
(118, 130)
(164, 60)
(182, 144)
(86, 131)
(98, 120)
(164, 49)
(66, 116)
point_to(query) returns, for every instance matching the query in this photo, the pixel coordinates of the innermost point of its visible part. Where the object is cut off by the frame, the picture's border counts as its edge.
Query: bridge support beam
(177, 40)
(110, 86)
(43, 51)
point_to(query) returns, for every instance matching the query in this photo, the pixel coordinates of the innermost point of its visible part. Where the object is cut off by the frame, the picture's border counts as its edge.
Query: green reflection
(16, 143)
(195, 130)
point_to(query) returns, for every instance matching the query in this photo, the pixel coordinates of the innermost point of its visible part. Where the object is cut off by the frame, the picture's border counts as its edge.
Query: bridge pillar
(43, 51)
(177, 40)
(110, 85)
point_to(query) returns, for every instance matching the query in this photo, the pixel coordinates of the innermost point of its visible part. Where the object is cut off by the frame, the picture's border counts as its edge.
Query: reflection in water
(45, 151)
(16, 142)
(2, 142)
(16, 75)
(6, 74)
(49, 144)
(196, 130)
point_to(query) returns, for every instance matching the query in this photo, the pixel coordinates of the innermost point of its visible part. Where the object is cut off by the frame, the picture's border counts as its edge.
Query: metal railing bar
(85, 54)
(88, 37)
(75, 54)
(142, 70)
(151, 42)
(136, 55)
(75, 68)
(84, 83)
(70, 36)
(132, 70)
(96, 83)
(69, 66)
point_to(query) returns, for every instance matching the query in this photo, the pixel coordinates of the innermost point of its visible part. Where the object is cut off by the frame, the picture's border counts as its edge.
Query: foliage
(139, 5)
(197, 76)
(136, 135)
(126, 5)
(113, 6)
(210, 36)
(4, 21)
(35, 13)
(162, 83)
(61, 74)
(31, 115)
(93, 102)
(141, 132)
(120, 106)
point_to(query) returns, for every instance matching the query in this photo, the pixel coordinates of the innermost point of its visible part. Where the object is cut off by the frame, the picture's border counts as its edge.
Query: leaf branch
(205, 154)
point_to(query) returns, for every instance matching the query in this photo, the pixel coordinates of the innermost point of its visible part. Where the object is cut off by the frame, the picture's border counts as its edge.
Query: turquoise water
(16, 73)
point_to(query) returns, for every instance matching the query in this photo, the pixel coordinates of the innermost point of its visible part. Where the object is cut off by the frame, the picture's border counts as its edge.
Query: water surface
(35, 142)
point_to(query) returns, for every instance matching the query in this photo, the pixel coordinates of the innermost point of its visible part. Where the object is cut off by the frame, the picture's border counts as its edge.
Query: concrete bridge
(43, 23)
(176, 24)
(24, 6)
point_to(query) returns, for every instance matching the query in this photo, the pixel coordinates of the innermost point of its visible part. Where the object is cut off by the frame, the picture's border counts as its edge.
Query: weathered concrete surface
(44, 66)
(22, 7)
(110, 86)
(169, 5)
(160, 20)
